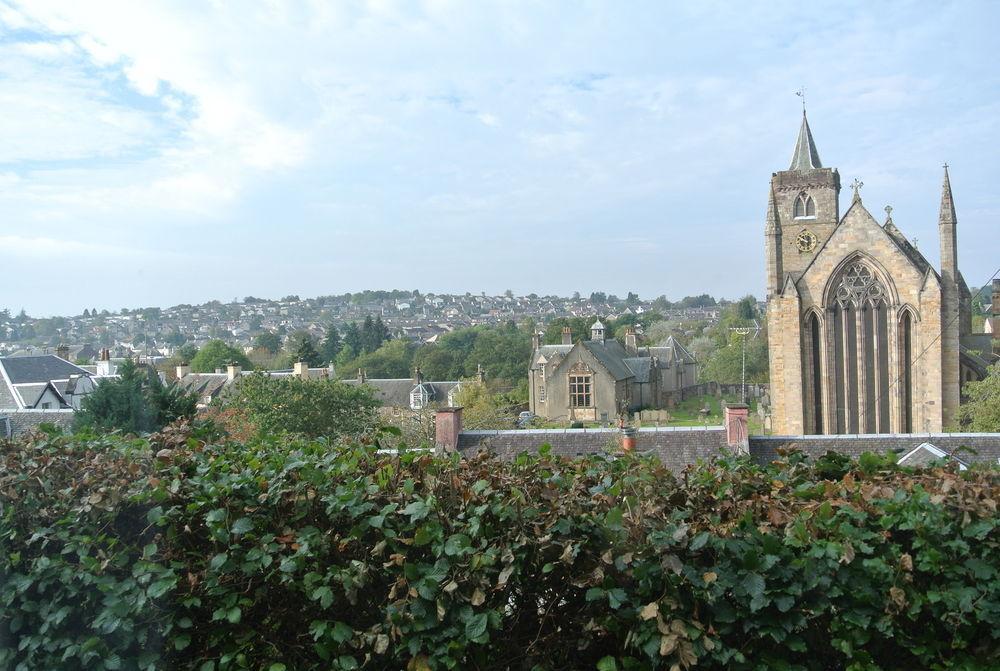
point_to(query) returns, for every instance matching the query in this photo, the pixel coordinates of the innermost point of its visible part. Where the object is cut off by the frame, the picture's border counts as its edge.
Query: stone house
(599, 379)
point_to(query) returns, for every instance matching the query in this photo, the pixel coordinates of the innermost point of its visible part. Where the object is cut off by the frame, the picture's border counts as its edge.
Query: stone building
(865, 335)
(596, 380)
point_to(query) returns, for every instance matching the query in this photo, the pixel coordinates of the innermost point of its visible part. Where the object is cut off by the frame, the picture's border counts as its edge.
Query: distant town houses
(153, 334)
(416, 393)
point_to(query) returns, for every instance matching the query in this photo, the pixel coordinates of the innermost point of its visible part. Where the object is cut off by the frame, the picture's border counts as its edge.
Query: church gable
(859, 236)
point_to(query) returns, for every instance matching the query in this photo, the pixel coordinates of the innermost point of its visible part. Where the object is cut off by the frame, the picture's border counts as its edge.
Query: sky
(157, 153)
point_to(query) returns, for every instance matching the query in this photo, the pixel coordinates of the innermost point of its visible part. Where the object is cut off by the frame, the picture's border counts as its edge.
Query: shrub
(297, 554)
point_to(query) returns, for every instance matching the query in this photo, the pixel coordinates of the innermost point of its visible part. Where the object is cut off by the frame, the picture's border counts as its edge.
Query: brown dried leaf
(668, 644)
(709, 577)
(649, 611)
(478, 597)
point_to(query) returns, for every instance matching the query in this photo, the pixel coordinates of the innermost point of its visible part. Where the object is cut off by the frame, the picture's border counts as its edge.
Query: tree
(481, 409)
(268, 341)
(136, 402)
(308, 407)
(301, 347)
(331, 345)
(352, 340)
(980, 410)
(217, 354)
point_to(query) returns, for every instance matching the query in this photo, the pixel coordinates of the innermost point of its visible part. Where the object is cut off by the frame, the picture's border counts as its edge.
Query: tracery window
(805, 206)
(861, 351)
(580, 391)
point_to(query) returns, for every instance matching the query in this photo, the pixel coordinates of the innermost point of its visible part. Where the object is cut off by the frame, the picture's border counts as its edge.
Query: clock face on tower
(806, 241)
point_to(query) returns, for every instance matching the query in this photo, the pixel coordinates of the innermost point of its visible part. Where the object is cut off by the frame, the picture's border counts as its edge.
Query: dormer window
(805, 207)
(419, 397)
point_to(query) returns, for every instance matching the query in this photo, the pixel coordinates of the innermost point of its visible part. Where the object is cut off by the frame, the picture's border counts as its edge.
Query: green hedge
(310, 555)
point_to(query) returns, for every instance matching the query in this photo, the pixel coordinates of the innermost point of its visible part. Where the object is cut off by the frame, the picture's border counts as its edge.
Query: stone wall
(676, 447)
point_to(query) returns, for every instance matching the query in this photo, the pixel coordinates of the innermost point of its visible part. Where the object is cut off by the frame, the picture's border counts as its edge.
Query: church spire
(947, 215)
(947, 223)
(805, 156)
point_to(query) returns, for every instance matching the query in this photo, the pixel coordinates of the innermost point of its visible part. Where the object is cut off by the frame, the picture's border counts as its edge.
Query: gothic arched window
(804, 206)
(860, 303)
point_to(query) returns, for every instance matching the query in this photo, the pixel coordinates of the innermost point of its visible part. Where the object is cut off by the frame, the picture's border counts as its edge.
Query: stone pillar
(736, 418)
(447, 427)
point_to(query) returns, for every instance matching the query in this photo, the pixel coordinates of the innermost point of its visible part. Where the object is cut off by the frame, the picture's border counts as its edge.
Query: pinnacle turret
(805, 156)
(947, 215)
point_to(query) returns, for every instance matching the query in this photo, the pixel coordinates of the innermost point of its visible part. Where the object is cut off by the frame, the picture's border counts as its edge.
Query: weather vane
(802, 94)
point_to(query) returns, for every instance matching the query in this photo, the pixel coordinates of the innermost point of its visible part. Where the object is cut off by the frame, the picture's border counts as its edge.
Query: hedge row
(307, 555)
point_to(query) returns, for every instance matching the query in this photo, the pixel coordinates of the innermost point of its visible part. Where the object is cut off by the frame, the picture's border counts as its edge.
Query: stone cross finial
(888, 214)
(856, 185)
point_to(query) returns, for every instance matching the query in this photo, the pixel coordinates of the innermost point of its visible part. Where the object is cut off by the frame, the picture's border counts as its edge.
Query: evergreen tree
(381, 332)
(369, 337)
(136, 402)
(352, 339)
(331, 344)
(303, 348)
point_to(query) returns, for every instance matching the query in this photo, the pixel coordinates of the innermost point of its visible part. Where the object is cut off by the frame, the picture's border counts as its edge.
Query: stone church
(865, 335)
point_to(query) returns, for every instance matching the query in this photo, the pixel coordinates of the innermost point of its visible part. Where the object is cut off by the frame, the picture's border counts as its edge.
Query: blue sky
(158, 153)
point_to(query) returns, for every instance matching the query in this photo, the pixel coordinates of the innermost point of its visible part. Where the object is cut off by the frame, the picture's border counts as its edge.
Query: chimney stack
(536, 341)
(418, 377)
(301, 369)
(63, 352)
(104, 363)
(567, 335)
(183, 370)
(361, 375)
(447, 427)
(233, 371)
(737, 431)
(631, 340)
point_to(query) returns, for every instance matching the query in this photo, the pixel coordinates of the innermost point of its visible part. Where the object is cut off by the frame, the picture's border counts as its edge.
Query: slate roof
(640, 367)
(31, 392)
(805, 156)
(548, 351)
(672, 352)
(26, 421)
(204, 384)
(612, 356)
(395, 393)
(926, 454)
(22, 369)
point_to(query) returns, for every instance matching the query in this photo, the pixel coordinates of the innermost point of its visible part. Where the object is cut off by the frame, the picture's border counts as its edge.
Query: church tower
(807, 204)
(864, 335)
